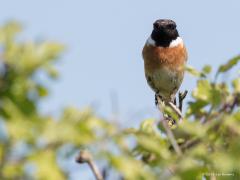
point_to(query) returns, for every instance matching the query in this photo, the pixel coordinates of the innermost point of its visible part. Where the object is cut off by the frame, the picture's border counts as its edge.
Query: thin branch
(229, 107)
(171, 138)
(168, 130)
(190, 143)
(85, 157)
(176, 109)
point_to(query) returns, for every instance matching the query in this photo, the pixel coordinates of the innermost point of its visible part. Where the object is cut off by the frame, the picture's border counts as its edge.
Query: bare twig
(176, 109)
(171, 138)
(190, 143)
(85, 157)
(229, 107)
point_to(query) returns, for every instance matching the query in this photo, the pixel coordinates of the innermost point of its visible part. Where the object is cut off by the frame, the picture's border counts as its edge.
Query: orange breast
(158, 57)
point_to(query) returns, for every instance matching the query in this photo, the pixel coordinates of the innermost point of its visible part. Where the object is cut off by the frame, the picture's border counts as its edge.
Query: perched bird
(165, 56)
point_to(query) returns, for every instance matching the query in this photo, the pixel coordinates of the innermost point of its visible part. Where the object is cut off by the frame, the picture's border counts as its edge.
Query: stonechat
(165, 56)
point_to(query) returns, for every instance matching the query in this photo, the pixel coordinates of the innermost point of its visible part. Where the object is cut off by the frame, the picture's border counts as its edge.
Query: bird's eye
(171, 26)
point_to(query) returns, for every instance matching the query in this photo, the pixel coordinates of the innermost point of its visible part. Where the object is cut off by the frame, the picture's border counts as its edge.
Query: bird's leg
(175, 101)
(156, 99)
(181, 97)
(160, 103)
(178, 109)
(159, 100)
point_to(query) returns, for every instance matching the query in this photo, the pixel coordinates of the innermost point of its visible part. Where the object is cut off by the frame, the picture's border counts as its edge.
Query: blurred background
(102, 66)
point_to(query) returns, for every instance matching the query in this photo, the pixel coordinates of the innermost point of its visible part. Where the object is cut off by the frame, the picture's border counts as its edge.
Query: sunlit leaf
(236, 84)
(231, 63)
(46, 165)
(193, 71)
(207, 69)
(207, 92)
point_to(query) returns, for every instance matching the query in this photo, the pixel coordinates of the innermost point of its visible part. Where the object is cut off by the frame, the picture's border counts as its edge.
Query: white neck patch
(150, 41)
(176, 42)
(173, 43)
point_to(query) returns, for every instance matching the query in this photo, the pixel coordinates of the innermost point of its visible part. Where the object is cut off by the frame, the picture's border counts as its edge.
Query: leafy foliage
(31, 144)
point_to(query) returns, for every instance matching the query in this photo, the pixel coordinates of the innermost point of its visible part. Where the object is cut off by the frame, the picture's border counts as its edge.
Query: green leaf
(148, 126)
(153, 145)
(193, 71)
(13, 171)
(51, 71)
(47, 167)
(207, 69)
(42, 91)
(207, 93)
(194, 128)
(196, 108)
(202, 92)
(236, 84)
(130, 168)
(9, 31)
(231, 63)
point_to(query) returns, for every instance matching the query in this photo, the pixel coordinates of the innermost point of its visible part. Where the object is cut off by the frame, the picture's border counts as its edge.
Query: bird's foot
(158, 99)
(169, 119)
(177, 108)
(175, 101)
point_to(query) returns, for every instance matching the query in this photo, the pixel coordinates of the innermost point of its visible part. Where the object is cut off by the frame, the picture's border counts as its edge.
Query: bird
(165, 56)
